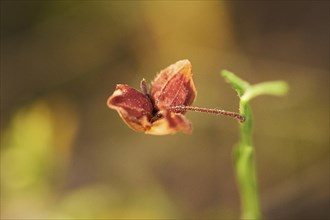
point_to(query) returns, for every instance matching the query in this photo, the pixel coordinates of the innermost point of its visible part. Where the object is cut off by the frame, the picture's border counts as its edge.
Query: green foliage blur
(64, 154)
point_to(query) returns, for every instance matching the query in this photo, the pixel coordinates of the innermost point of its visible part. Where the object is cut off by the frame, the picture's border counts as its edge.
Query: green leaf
(277, 88)
(237, 83)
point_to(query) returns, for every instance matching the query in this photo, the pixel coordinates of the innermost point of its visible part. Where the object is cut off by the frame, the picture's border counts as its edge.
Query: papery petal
(133, 107)
(171, 123)
(174, 86)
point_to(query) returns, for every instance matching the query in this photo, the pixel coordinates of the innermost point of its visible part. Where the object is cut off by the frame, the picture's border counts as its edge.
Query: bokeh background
(64, 154)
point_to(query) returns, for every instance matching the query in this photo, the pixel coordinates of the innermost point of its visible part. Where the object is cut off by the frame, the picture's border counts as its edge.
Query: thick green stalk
(244, 155)
(246, 127)
(245, 168)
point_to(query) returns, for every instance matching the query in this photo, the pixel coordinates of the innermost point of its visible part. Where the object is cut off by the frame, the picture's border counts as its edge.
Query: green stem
(244, 156)
(247, 127)
(245, 168)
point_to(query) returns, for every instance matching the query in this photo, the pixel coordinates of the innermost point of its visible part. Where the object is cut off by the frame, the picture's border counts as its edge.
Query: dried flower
(151, 112)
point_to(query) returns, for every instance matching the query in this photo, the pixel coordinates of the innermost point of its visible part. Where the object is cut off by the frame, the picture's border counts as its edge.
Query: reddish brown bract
(150, 113)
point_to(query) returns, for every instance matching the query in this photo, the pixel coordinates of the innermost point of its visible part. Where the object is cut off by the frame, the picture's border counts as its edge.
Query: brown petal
(171, 123)
(133, 107)
(174, 86)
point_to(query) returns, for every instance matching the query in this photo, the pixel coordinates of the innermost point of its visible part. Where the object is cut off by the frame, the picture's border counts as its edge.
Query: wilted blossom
(149, 110)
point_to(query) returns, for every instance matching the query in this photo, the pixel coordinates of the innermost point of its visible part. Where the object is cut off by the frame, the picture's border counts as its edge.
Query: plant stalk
(244, 156)
(246, 169)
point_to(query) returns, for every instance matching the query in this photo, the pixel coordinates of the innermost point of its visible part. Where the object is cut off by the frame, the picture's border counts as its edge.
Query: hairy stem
(183, 108)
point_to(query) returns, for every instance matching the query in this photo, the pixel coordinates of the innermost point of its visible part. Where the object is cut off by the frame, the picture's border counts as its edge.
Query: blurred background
(64, 154)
